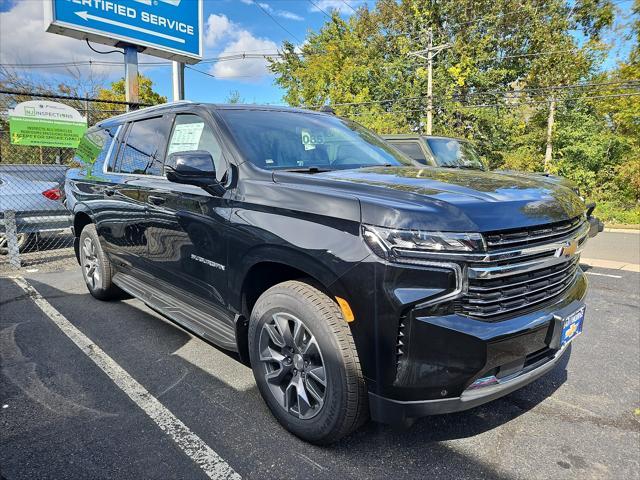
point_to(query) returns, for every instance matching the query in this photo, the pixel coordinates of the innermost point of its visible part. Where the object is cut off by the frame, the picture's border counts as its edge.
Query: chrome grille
(492, 298)
(522, 270)
(533, 235)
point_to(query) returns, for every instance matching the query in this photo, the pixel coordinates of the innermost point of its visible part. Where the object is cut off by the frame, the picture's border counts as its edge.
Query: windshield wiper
(461, 167)
(307, 170)
(377, 165)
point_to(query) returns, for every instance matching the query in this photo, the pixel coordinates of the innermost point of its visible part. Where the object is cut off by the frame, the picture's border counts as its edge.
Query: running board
(200, 323)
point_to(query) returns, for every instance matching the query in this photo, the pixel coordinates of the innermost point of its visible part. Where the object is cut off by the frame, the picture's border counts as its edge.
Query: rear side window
(94, 146)
(143, 149)
(412, 150)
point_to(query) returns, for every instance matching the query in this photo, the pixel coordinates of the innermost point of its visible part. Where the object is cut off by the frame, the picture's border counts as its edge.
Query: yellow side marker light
(347, 313)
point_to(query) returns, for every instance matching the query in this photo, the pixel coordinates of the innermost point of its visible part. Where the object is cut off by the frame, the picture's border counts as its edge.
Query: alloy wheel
(293, 365)
(90, 263)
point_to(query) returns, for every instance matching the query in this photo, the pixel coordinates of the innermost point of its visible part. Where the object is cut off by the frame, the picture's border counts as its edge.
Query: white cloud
(220, 31)
(217, 27)
(345, 8)
(248, 69)
(23, 40)
(277, 12)
(289, 15)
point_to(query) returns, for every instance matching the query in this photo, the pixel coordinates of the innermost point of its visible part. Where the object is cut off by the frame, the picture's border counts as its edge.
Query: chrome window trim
(107, 159)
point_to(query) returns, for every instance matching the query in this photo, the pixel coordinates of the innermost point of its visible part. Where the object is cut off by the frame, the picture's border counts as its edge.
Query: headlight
(389, 240)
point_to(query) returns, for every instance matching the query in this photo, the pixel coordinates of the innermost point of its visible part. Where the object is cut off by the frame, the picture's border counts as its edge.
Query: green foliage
(145, 90)
(613, 212)
(234, 97)
(362, 68)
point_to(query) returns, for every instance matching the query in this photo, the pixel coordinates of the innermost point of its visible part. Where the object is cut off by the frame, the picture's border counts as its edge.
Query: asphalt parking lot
(63, 416)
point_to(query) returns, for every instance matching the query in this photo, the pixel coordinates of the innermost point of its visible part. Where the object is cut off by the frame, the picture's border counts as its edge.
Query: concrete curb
(622, 230)
(611, 264)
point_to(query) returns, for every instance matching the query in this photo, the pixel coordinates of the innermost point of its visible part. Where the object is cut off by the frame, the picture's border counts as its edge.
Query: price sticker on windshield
(310, 140)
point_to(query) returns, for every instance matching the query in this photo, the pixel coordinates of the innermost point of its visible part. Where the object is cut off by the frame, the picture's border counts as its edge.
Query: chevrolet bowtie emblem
(568, 249)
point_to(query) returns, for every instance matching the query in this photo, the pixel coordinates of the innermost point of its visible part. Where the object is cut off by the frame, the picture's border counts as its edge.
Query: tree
(234, 97)
(495, 85)
(146, 92)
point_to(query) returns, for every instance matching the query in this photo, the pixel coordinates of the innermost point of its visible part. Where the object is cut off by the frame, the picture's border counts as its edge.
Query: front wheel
(305, 363)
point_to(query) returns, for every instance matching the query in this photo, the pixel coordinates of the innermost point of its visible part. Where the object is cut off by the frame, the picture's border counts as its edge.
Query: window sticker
(310, 140)
(186, 137)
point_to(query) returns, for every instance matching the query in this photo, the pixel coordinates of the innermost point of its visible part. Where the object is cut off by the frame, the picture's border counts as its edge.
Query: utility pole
(429, 54)
(550, 121)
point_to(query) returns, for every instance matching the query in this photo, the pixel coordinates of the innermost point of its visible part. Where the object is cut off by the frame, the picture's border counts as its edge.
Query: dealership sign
(169, 29)
(46, 124)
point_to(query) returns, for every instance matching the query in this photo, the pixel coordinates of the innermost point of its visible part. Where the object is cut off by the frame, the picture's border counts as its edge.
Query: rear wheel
(96, 267)
(305, 363)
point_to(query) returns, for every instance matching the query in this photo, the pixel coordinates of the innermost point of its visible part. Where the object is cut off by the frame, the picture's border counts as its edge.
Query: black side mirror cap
(194, 167)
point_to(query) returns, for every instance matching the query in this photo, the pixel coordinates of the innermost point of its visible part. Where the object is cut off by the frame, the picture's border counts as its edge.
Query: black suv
(355, 282)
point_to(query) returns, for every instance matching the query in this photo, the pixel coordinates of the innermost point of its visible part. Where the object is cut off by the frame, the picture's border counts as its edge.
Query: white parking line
(192, 445)
(603, 274)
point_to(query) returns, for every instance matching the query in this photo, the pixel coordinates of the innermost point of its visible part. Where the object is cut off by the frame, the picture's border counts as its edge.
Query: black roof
(167, 107)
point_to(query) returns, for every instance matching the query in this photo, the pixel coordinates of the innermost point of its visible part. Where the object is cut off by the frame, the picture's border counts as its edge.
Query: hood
(545, 177)
(448, 199)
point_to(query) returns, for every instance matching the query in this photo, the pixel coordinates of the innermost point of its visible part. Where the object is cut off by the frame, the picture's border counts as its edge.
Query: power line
(321, 10)
(496, 93)
(489, 105)
(349, 5)
(266, 12)
(217, 77)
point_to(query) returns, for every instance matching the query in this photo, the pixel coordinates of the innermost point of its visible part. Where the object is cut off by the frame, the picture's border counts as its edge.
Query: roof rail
(151, 108)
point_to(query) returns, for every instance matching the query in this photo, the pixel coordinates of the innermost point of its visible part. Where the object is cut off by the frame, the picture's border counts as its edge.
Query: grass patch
(617, 213)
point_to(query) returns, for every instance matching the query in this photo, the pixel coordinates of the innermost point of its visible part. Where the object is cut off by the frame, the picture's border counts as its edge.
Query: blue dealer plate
(572, 326)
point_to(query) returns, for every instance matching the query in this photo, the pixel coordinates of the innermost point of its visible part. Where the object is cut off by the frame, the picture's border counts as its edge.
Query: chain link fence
(35, 228)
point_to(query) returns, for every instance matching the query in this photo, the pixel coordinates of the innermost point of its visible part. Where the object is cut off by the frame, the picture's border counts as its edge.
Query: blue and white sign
(165, 28)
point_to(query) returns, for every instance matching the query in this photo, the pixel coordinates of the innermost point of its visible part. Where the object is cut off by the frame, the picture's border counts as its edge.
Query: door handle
(109, 192)
(152, 199)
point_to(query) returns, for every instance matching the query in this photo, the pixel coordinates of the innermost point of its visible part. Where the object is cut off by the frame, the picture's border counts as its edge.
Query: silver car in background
(36, 205)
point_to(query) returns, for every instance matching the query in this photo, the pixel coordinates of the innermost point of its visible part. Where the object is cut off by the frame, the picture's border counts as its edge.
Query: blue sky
(231, 26)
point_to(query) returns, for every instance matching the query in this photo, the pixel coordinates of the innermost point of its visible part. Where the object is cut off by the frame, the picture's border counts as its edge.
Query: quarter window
(143, 150)
(190, 132)
(412, 150)
(94, 146)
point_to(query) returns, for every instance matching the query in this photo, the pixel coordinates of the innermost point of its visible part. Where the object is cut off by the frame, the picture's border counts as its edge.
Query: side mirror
(194, 167)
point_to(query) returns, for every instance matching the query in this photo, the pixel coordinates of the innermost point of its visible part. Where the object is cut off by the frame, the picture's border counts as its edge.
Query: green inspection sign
(46, 124)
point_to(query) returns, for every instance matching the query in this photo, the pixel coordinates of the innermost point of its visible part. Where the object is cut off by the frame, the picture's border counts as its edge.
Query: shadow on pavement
(237, 424)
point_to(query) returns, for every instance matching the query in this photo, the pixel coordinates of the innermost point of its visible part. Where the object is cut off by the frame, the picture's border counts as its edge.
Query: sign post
(178, 81)
(131, 87)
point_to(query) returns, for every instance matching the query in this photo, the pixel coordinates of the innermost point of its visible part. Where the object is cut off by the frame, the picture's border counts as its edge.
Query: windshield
(307, 141)
(450, 152)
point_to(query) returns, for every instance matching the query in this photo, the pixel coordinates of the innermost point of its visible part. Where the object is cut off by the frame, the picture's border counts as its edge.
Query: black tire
(25, 240)
(100, 286)
(344, 397)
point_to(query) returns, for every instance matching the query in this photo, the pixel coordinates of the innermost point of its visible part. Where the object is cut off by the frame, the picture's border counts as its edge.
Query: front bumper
(445, 357)
(397, 412)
